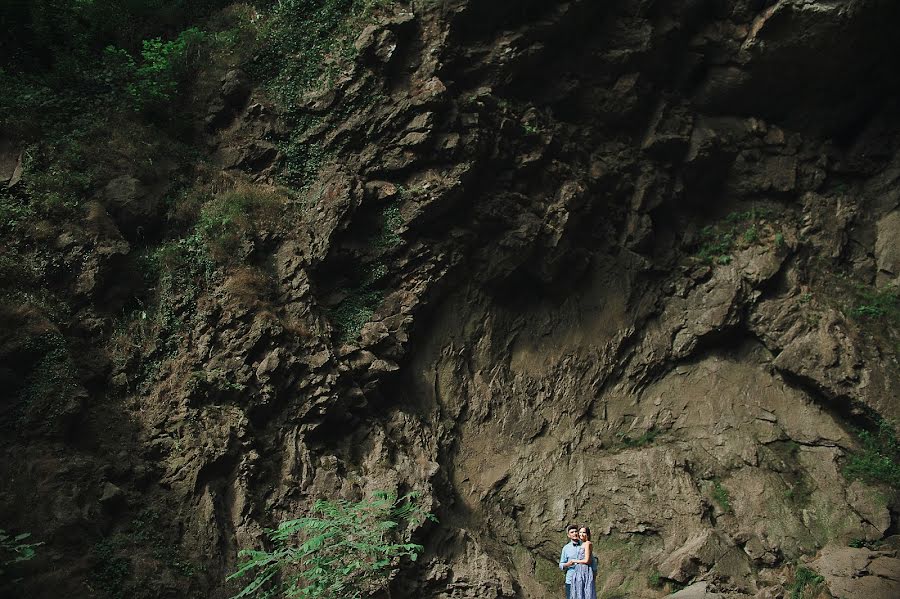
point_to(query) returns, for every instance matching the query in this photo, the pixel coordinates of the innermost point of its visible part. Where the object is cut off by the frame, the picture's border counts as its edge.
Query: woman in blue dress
(583, 585)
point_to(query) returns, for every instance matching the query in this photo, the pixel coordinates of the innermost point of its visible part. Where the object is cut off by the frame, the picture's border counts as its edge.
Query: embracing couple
(578, 562)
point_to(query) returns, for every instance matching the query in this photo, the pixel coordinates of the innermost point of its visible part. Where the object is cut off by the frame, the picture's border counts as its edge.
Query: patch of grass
(229, 219)
(806, 583)
(212, 384)
(720, 496)
(655, 581)
(879, 460)
(530, 128)
(646, 438)
(226, 225)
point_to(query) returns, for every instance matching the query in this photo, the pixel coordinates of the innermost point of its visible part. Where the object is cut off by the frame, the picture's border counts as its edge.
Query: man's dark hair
(571, 527)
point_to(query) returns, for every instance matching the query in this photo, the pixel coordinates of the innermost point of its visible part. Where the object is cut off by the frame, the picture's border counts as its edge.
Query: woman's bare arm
(587, 553)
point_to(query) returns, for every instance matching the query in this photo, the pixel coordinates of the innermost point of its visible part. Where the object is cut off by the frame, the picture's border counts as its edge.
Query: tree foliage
(341, 550)
(63, 58)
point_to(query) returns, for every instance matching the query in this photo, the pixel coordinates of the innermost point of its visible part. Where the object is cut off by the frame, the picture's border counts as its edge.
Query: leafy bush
(64, 59)
(164, 65)
(14, 549)
(343, 550)
(879, 460)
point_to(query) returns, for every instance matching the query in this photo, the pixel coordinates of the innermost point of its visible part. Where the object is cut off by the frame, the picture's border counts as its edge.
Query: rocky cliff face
(627, 263)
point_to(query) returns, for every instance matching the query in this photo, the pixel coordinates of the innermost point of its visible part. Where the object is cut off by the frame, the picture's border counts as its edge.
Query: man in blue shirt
(569, 553)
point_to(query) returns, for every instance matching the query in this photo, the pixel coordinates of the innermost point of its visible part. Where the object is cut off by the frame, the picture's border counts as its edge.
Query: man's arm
(562, 560)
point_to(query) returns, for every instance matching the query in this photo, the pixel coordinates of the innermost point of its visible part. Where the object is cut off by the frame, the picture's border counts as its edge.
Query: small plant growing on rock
(806, 583)
(877, 304)
(342, 550)
(721, 497)
(645, 438)
(738, 229)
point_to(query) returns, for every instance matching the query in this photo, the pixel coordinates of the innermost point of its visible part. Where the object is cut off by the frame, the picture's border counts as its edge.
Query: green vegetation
(111, 569)
(67, 59)
(229, 220)
(806, 584)
(720, 496)
(14, 550)
(655, 581)
(302, 44)
(738, 229)
(879, 460)
(301, 48)
(645, 438)
(50, 383)
(145, 538)
(154, 81)
(226, 230)
(391, 221)
(359, 302)
(877, 304)
(530, 128)
(212, 384)
(342, 550)
(301, 161)
(355, 310)
(862, 543)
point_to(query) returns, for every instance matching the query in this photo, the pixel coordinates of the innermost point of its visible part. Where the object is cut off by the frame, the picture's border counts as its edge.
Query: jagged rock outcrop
(608, 244)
